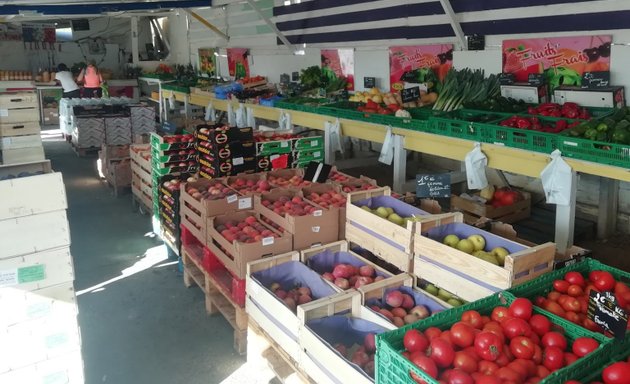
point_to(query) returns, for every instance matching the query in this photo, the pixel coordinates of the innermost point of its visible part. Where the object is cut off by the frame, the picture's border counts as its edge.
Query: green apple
(366, 208)
(444, 295)
(500, 253)
(478, 254)
(465, 246)
(489, 258)
(382, 212)
(394, 218)
(478, 241)
(454, 302)
(389, 210)
(451, 240)
(432, 289)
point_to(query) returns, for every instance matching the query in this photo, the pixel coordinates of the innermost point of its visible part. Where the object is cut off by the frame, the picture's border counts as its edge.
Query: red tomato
(426, 364)
(441, 352)
(582, 346)
(540, 324)
(446, 336)
(572, 382)
(593, 275)
(520, 370)
(533, 380)
(462, 334)
(508, 374)
(616, 373)
(554, 339)
(522, 347)
(465, 362)
(570, 358)
(471, 351)
(554, 308)
(415, 341)
(488, 345)
(473, 318)
(457, 376)
(570, 304)
(521, 308)
(488, 367)
(575, 278)
(561, 286)
(516, 327)
(604, 281)
(553, 358)
(485, 379)
(529, 364)
(537, 358)
(495, 328)
(542, 371)
(499, 314)
(591, 326)
(432, 332)
(553, 295)
(539, 301)
(575, 290)
(572, 317)
(503, 359)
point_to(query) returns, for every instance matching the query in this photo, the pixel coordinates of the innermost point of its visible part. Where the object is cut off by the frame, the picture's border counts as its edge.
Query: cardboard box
(238, 254)
(230, 150)
(315, 191)
(22, 155)
(223, 134)
(317, 228)
(34, 233)
(17, 142)
(20, 129)
(67, 369)
(115, 152)
(51, 116)
(247, 186)
(23, 196)
(266, 163)
(119, 172)
(37, 270)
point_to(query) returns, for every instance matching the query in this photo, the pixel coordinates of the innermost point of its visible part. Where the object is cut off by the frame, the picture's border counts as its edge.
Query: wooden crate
(68, 368)
(35, 233)
(216, 299)
(194, 213)
(20, 129)
(37, 270)
(317, 357)
(317, 228)
(12, 116)
(19, 100)
(18, 142)
(274, 317)
(115, 152)
(24, 196)
(22, 155)
(335, 247)
(237, 254)
(472, 278)
(474, 210)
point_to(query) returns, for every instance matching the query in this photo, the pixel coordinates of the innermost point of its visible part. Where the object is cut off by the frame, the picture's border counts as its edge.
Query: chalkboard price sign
(435, 185)
(369, 82)
(506, 78)
(604, 311)
(410, 94)
(595, 79)
(536, 79)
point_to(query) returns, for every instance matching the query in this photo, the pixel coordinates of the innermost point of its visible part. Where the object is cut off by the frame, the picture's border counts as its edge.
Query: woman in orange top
(92, 81)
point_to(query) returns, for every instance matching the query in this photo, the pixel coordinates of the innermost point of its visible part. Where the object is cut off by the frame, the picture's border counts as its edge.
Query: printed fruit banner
(563, 60)
(238, 65)
(207, 61)
(418, 64)
(338, 63)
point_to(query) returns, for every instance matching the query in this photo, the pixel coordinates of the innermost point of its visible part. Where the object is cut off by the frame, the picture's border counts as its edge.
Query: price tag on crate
(433, 185)
(596, 79)
(604, 311)
(410, 94)
(369, 82)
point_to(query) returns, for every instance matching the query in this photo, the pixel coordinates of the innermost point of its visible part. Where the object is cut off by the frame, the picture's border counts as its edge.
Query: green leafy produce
(466, 86)
(498, 104)
(311, 77)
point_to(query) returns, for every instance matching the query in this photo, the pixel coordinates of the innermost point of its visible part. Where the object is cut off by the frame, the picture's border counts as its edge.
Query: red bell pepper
(584, 114)
(523, 123)
(561, 125)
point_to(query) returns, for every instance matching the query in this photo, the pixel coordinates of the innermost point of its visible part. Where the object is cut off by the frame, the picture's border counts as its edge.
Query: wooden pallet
(140, 203)
(217, 301)
(260, 346)
(117, 190)
(83, 152)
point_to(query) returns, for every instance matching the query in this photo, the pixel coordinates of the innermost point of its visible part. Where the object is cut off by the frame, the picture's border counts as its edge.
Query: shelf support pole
(400, 163)
(565, 219)
(608, 204)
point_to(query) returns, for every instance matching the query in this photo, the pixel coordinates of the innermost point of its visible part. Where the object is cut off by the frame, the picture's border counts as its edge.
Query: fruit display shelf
(468, 276)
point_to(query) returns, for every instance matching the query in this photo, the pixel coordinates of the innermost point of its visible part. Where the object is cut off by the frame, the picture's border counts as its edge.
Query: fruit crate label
(284, 144)
(604, 311)
(4, 113)
(238, 161)
(314, 143)
(410, 94)
(369, 82)
(31, 274)
(267, 241)
(8, 277)
(317, 213)
(315, 229)
(433, 185)
(231, 199)
(245, 203)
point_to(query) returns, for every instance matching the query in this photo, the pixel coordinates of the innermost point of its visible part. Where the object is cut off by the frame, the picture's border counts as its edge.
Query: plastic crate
(535, 141)
(224, 279)
(542, 285)
(599, 366)
(460, 129)
(393, 368)
(176, 88)
(595, 151)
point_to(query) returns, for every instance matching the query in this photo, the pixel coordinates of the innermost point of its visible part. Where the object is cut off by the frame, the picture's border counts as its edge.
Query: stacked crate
(20, 140)
(273, 151)
(116, 165)
(141, 181)
(142, 119)
(39, 333)
(166, 174)
(118, 130)
(307, 149)
(225, 151)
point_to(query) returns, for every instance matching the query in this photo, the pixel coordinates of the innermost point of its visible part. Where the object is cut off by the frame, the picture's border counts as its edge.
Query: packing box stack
(20, 139)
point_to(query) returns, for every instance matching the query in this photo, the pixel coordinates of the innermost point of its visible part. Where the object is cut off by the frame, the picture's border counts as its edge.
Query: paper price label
(4, 112)
(317, 213)
(267, 241)
(8, 277)
(238, 161)
(284, 144)
(245, 203)
(231, 199)
(315, 229)
(317, 154)
(314, 143)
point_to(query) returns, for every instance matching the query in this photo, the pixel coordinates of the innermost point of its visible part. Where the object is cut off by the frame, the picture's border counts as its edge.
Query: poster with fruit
(207, 61)
(338, 63)
(563, 60)
(238, 64)
(419, 64)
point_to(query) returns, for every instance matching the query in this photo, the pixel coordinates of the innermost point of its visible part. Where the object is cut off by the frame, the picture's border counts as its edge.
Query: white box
(20, 129)
(528, 93)
(18, 100)
(37, 270)
(17, 142)
(22, 155)
(35, 233)
(32, 195)
(605, 97)
(18, 306)
(66, 369)
(25, 115)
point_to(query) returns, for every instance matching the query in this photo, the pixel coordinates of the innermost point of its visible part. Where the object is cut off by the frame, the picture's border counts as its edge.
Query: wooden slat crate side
(531, 263)
(23, 196)
(401, 259)
(36, 233)
(44, 269)
(336, 246)
(486, 210)
(19, 100)
(25, 115)
(466, 289)
(377, 290)
(20, 129)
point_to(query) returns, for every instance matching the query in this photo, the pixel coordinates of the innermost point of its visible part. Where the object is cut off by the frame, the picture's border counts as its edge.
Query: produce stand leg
(608, 203)
(565, 219)
(400, 163)
(329, 154)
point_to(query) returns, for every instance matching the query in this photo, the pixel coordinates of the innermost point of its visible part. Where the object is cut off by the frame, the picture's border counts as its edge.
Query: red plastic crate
(232, 286)
(188, 239)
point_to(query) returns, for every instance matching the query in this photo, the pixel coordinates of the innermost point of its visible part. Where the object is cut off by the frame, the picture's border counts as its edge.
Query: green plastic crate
(542, 285)
(460, 129)
(176, 88)
(535, 141)
(596, 375)
(595, 151)
(158, 144)
(393, 368)
(348, 110)
(303, 104)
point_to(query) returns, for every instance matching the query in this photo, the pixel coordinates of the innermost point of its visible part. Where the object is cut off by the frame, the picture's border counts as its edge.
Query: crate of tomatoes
(495, 340)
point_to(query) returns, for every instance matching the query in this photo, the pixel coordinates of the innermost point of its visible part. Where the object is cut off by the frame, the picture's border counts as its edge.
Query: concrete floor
(139, 324)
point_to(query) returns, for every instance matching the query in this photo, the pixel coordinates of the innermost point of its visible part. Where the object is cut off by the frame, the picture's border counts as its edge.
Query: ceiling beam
(457, 28)
(208, 25)
(272, 25)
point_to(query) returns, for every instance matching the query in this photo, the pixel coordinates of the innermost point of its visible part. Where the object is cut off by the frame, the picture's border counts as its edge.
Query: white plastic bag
(230, 115)
(285, 121)
(171, 101)
(251, 120)
(334, 130)
(241, 116)
(556, 180)
(210, 113)
(387, 151)
(476, 162)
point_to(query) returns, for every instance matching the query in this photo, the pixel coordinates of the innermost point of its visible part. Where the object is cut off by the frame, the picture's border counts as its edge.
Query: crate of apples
(403, 305)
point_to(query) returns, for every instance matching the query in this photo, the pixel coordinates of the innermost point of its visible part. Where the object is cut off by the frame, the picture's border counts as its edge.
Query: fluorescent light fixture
(287, 2)
(299, 52)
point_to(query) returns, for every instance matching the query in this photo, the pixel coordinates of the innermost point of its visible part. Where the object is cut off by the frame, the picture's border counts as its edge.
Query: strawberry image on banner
(418, 64)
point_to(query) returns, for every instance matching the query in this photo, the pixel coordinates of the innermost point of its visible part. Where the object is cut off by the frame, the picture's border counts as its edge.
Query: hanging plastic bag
(251, 120)
(210, 113)
(334, 130)
(476, 162)
(171, 101)
(556, 180)
(387, 151)
(284, 121)
(241, 116)
(230, 115)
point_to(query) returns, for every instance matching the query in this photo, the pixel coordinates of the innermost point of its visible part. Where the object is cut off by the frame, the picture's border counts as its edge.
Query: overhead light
(299, 52)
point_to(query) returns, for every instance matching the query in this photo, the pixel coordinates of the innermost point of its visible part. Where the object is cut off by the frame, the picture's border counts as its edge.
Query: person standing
(92, 80)
(65, 78)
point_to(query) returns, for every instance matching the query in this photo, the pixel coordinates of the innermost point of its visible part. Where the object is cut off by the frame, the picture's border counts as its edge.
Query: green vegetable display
(466, 86)
(613, 129)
